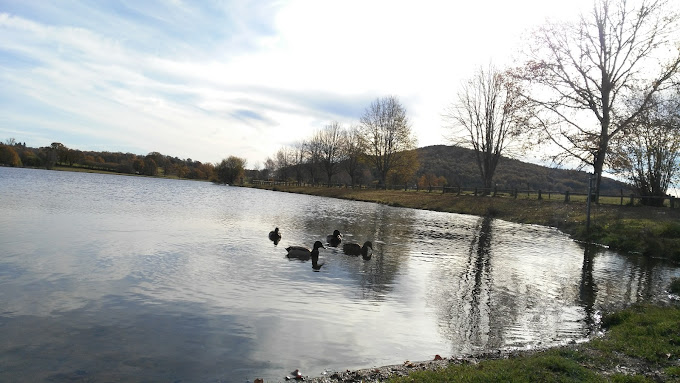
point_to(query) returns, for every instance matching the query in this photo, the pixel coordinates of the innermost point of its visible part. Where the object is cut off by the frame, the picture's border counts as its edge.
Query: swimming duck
(334, 239)
(365, 251)
(275, 236)
(303, 253)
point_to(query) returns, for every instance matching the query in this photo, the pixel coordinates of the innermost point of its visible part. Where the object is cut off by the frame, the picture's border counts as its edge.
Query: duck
(275, 236)
(334, 239)
(365, 251)
(303, 253)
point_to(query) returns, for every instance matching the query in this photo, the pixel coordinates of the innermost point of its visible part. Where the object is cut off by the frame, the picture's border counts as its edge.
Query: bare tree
(330, 139)
(298, 157)
(649, 152)
(270, 169)
(582, 74)
(486, 118)
(313, 154)
(354, 148)
(283, 162)
(386, 131)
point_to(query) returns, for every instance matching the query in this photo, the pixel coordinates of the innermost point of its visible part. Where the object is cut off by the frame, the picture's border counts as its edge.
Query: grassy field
(647, 230)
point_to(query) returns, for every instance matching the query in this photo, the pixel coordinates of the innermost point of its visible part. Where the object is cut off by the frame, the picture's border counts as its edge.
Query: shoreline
(384, 373)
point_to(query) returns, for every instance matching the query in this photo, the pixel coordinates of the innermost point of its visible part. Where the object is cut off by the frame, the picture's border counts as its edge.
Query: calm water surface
(107, 278)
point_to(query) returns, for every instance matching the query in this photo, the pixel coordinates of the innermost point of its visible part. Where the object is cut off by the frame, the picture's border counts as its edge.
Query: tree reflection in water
(478, 274)
(463, 296)
(587, 292)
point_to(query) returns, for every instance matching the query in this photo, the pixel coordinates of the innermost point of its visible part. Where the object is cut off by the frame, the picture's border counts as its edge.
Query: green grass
(640, 339)
(647, 332)
(549, 366)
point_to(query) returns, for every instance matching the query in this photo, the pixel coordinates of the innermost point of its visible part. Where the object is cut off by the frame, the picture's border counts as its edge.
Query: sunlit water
(107, 278)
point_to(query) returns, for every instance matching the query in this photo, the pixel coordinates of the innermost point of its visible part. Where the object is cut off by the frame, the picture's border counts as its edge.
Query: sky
(208, 79)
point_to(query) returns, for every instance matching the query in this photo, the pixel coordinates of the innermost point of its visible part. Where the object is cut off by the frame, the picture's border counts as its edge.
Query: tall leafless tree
(330, 139)
(313, 155)
(283, 162)
(354, 148)
(487, 117)
(298, 157)
(386, 131)
(582, 73)
(270, 168)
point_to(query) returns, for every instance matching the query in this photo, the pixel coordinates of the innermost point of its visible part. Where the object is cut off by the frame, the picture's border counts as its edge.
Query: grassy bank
(651, 231)
(642, 344)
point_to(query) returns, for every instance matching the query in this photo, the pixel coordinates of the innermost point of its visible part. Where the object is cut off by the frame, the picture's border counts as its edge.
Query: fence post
(566, 196)
(539, 194)
(632, 201)
(495, 190)
(516, 193)
(475, 192)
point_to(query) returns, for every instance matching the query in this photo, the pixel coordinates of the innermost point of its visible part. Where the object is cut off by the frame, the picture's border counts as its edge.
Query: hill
(458, 165)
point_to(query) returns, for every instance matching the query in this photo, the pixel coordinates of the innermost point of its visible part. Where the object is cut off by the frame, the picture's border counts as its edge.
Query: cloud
(210, 79)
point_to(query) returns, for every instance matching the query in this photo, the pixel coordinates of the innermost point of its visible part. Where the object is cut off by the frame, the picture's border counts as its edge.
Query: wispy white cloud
(205, 80)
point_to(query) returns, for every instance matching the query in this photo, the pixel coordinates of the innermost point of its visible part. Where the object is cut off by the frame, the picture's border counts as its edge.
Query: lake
(107, 277)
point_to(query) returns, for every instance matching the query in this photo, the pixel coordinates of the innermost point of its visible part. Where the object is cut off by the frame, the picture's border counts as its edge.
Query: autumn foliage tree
(231, 170)
(430, 180)
(9, 156)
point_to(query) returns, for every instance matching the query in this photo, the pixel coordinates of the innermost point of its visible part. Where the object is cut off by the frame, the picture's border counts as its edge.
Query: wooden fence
(566, 196)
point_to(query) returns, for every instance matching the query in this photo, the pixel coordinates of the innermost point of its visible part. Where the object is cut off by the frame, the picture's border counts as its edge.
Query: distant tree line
(17, 154)
(379, 149)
